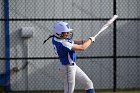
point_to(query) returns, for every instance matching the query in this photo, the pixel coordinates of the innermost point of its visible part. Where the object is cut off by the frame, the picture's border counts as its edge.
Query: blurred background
(112, 62)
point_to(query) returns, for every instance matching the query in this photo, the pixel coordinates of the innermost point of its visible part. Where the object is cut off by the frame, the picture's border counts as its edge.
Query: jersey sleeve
(67, 45)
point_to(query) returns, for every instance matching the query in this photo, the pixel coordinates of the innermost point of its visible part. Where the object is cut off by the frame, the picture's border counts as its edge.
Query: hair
(56, 37)
(48, 38)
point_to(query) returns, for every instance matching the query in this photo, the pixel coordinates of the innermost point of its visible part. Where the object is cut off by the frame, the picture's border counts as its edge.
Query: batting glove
(92, 39)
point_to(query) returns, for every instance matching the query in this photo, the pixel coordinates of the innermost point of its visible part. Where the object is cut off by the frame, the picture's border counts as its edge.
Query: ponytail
(48, 38)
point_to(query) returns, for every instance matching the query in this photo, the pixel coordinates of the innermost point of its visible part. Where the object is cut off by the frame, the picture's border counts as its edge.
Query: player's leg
(68, 75)
(84, 80)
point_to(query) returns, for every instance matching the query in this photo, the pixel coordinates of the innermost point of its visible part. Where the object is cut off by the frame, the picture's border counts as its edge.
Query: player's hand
(92, 38)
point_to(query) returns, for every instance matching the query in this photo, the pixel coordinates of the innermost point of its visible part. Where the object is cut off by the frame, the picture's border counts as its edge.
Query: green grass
(111, 91)
(81, 91)
(135, 91)
(121, 92)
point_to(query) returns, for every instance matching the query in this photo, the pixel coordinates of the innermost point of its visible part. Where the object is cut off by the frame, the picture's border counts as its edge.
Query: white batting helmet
(60, 27)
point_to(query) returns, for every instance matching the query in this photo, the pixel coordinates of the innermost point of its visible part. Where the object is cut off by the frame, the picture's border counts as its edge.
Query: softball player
(65, 48)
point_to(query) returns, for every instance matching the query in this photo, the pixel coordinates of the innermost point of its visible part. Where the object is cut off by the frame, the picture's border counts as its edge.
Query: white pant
(71, 72)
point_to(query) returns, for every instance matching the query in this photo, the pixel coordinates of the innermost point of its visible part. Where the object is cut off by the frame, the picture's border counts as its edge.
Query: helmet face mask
(60, 27)
(66, 35)
(70, 35)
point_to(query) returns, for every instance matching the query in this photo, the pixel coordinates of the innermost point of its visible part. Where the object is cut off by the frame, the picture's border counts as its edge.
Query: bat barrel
(107, 25)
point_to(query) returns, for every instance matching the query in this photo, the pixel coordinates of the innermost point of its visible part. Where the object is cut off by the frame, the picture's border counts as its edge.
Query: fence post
(7, 43)
(114, 51)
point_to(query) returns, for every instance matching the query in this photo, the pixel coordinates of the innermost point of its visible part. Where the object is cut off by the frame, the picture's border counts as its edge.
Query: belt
(72, 64)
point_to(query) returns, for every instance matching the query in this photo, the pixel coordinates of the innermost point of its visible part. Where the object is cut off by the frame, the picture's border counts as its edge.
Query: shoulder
(67, 43)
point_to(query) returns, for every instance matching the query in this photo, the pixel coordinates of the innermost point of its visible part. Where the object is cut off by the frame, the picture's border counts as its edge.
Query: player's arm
(83, 46)
(79, 42)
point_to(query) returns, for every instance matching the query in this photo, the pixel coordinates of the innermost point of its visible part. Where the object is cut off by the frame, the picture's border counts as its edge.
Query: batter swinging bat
(107, 25)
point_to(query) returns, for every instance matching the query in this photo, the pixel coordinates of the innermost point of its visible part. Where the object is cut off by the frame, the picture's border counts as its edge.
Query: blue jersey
(63, 50)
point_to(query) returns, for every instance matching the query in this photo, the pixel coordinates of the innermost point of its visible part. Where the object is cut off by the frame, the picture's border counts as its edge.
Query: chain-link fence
(112, 62)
